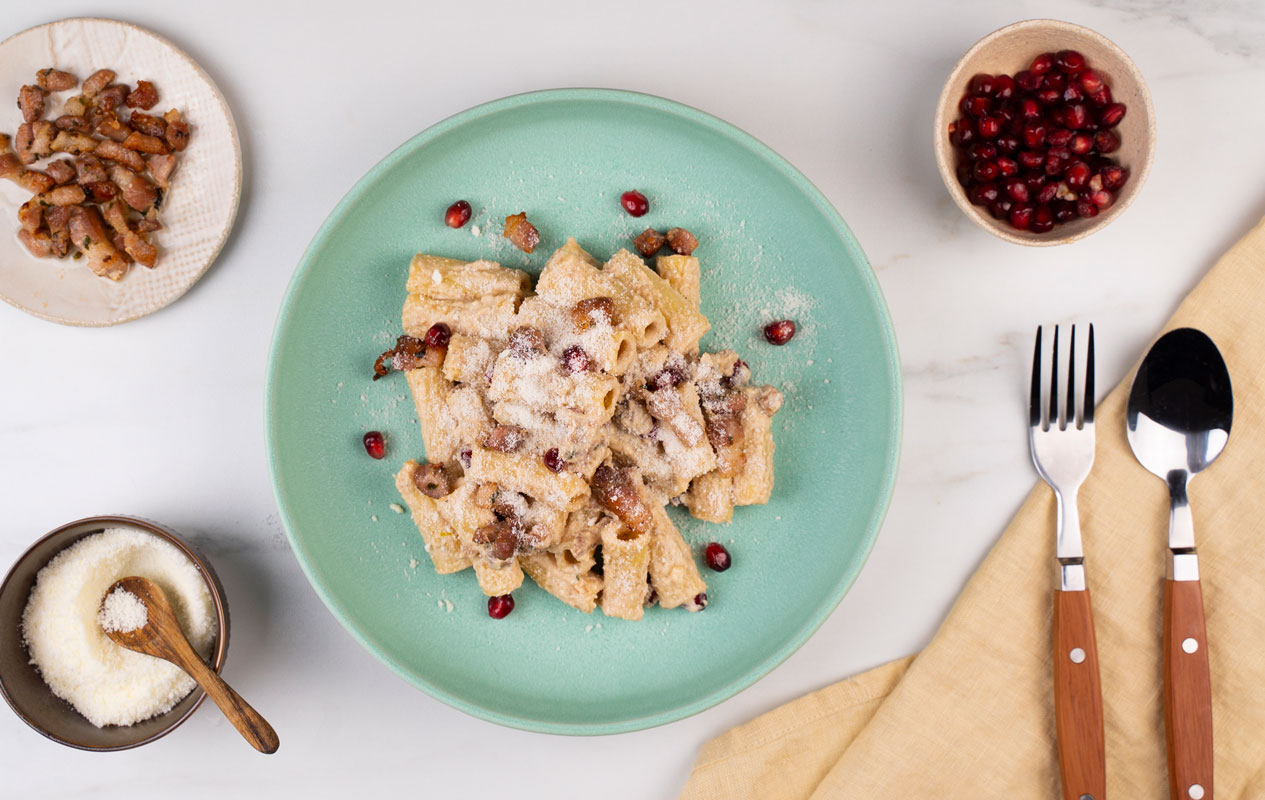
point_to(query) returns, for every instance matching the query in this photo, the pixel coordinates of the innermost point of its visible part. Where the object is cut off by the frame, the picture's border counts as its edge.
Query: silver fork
(1061, 435)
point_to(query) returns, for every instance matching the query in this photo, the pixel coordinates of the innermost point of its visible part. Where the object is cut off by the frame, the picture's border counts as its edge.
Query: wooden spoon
(161, 637)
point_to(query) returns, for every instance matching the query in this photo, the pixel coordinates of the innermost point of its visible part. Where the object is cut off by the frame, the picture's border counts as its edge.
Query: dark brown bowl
(24, 689)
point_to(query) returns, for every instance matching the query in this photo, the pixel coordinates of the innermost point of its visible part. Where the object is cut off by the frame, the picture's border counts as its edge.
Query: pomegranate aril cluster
(1034, 146)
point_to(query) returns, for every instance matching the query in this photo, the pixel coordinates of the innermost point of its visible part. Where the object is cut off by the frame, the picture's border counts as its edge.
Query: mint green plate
(771, 246)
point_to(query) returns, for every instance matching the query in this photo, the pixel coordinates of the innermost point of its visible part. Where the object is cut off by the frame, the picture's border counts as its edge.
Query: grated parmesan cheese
(123, 611)
(109, 684)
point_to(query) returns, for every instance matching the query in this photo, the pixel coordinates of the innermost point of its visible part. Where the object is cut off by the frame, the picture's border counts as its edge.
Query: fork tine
(1034, 402)
(1071, 380)
(1054, 380)
(1089, 379)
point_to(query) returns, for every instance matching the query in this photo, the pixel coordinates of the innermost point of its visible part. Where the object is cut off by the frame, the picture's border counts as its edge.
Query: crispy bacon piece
(592, 311)
(23, 141)
(62, 170)
(74, 143)
(499, 538)
(89, 169)
(681, 241)
(89, 233)
(126, 239)
(649, 242)
(143, 96)
(161, 168)
(69, 122)
(71, 195)
(31, 180)
(147, 124)
(44, 133)
(10, 166)
(431, 480)
(31, 102)
(101, 191)
(77, 106)
(112, 128)
(137, 192)
(31, 215)
(178, 130)
(58, 220)
(38, 242)
(614, 490)
(97, 81)
(521, 233)
(149, 222)
(145, 144)
(111, 97)
(406, 354)
(504, 438)
(119, 154)
(55, 80)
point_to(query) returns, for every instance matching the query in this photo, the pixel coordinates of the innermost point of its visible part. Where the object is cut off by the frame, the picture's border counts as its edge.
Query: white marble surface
(163, 417)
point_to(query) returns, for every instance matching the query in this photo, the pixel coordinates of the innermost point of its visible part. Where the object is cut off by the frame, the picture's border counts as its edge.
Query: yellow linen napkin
(972, 715)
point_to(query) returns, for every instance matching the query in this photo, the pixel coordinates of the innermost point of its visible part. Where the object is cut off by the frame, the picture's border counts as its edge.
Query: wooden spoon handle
(1187, 692)
(249, 722)
(1078, 698)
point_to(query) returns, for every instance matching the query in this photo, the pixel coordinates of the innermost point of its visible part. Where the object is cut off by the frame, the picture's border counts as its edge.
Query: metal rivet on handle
(1077, 655)
(1195, 792)
(1189, 645)
(1087, 796)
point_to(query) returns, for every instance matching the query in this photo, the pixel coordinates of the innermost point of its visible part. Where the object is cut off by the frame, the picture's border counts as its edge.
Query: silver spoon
(1178, 422)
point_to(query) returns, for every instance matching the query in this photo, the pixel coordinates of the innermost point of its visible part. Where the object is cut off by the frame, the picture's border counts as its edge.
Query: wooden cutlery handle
(1078, 698)
(249, 722)
(1187, 692)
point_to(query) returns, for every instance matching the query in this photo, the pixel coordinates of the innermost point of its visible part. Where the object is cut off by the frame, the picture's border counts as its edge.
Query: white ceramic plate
(198, 210)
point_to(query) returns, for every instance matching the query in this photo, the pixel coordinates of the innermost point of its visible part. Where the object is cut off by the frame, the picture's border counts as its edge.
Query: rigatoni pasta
(561, 421)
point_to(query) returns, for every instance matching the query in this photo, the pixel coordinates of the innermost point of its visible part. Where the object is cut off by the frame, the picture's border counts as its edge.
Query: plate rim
(891, 355)
(237, 178)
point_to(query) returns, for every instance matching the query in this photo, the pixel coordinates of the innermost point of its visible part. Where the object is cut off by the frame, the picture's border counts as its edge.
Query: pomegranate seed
(1048, 97)
(1021, 216)
(961, 133)
(1058, 137)
(1076, 116)
(553, 461)
(1110, 116)
(1031, 159)
(1106, 141)
(1086, 209)
(988, 127)
(1007, 166)
(1017, 190)
(1102, 198)
(636, 204)
(779, 332)
(375, 444)
(716, 556)
(438, 335)
(700, 600)
(1114, 177)
(982, 85)
(981, 151)
(985, 171)
(1003, 87)
(1001, 209)
(574, 359)
(458, 214)
(964, 174)
(1034, 134)
(1042, 63)
(1077, 175)
(975, 106)
(1073, 93)
(1009, 143)
(1069, 61)
(1042, 220)
(1027, 80)
(1047, 193)
(1034, 181)
(983, 194)
(1054, 80)
(1091, 81)
(1064, 211)
(1056, 160)
(465, 456)
(1081, 144)
(500, 607)
(1102, 97)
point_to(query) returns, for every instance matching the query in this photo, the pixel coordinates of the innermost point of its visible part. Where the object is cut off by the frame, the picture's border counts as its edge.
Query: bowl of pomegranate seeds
(1044, 132)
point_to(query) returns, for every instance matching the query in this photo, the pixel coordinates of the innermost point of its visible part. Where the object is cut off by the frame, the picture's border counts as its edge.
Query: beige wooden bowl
(1011, 49)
